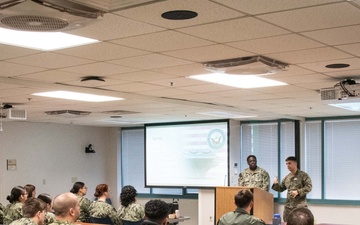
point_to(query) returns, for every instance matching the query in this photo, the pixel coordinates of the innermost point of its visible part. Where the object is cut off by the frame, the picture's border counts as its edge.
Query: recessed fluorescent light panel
(44, 41)
(77, 96)
(237, 81)
(352, 106)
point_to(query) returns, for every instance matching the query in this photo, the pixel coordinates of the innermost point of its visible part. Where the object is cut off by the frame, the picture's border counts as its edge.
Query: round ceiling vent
(34, 23)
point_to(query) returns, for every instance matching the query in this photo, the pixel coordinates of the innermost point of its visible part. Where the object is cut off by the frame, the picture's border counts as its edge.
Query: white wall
(56, 153)
(49, 156)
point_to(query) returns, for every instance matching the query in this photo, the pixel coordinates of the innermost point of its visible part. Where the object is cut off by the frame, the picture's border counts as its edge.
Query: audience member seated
(13, 211)
(1, 213)
(300, 216)
(244, 201)
(156, 213)
(66, 208)
(129, 210)
(49, 216)
(100, 211)
(80, 190)
(34, 211)
(30, 189)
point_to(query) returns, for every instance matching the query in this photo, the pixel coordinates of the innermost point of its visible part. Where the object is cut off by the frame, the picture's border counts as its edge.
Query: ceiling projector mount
(347, 89)
(250, 65)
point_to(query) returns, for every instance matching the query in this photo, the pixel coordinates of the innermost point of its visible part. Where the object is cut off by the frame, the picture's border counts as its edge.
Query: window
(132, 165)
(333, 164)
(262, 140)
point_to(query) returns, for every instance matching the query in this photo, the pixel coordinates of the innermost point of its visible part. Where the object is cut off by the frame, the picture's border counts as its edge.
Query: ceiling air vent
(250, 65)
(68, 113)
(46, 15)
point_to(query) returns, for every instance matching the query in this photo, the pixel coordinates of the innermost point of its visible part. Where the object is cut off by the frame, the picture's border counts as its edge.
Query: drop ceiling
(146, 59)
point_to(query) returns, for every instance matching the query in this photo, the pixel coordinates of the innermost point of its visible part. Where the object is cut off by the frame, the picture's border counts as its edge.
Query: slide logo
(216, 139)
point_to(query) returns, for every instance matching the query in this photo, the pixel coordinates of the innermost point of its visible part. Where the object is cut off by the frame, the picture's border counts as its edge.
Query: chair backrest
(105, 220)
(126, 222)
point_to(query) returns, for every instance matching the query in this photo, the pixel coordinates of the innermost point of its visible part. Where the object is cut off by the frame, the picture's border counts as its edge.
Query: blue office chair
(126, 222)
(105, 220)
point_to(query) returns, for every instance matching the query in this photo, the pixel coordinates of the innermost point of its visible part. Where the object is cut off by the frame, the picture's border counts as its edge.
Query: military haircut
(243, 198)
(156, 210)
(291, 158)
(300, 216)
(32, 206)
(247, 159)
(63, 203)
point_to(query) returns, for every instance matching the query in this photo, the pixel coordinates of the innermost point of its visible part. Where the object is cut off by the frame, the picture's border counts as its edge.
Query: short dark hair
(243, 198)
(300, 216)
(291, 158)
(45, 198)
(156, 210)
(31, 206)
(29, 189)
(247, 159)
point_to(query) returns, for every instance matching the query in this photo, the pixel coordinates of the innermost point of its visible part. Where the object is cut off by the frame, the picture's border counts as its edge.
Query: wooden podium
(263, 202)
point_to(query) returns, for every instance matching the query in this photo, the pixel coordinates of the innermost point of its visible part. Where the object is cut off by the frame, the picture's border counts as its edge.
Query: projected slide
(187, 155)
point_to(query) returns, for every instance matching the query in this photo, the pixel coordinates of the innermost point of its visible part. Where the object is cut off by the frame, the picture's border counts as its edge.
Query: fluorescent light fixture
(44, 41)
(77, 96)
(226, 114)
(352, 106)
(246, 81)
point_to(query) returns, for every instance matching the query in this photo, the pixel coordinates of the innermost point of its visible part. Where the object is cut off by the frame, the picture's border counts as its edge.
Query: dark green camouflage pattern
(84, 209)
(24, 221)
(133, 212)
(12, 212)
(258, 178)
(100, 209)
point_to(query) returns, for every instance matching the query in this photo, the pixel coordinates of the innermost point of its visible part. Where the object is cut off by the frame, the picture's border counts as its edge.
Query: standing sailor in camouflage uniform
(13, 211)
(254, 176)
(298, 184)
(34, 211)
(66, 208)
(244, 201)
(80, 190)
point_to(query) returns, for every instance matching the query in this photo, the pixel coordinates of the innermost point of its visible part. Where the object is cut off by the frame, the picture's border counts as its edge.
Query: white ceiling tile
(9, 69)
(260, 6)
(321, 66)
(142, 75)
(9, 52)
(319, 17)
(336, 36)
(310, 55)
(284, 43)
(234, 30)
(113, 26)
(352, 48)
(50, 60)
(208, 53)
(150, 61)
(163, 41)
(102, 51)
(51, 76)
(98, 69)
(207, 12)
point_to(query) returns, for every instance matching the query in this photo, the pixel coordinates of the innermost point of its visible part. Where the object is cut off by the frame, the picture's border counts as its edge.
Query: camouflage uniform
(1, 213)
(58, 222)
(239, 216)
(100, 209)
(133, 212)
(49, 218)
(84, 209)
(13, 211)
(300, 182)
(258, 178)
(24, 221)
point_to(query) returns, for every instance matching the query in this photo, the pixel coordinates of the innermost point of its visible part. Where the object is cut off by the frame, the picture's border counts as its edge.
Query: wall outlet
(210, 219)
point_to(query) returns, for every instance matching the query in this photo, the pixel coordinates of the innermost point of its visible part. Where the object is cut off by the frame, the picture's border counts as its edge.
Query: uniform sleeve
(241, 179)
(279, 186)
(113, 215)
(307, 185)
(266, 181)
